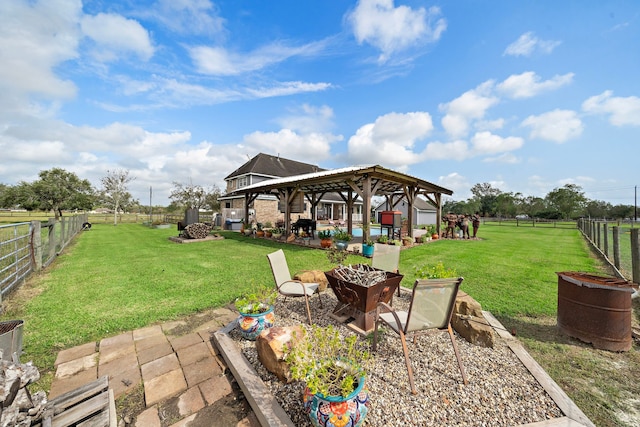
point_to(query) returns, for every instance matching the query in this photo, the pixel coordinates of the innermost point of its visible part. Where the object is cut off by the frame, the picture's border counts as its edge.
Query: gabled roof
(273, 166)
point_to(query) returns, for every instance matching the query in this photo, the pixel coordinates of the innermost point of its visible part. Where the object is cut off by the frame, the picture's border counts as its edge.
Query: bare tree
(114, 191)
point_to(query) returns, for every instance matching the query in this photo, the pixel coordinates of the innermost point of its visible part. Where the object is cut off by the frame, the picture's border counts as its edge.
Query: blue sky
(525, 95)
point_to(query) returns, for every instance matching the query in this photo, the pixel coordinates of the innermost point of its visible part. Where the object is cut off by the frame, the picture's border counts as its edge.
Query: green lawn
(114, 279)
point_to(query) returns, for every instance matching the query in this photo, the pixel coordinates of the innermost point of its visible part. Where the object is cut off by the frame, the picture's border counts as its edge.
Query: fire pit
(358, 289)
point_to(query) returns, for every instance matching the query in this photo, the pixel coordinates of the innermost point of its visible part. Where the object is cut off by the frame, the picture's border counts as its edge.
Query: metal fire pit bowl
(359, 302)
(595, 309)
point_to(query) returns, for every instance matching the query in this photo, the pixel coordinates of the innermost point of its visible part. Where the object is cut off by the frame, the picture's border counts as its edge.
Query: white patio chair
(431, 307)
(287, 286)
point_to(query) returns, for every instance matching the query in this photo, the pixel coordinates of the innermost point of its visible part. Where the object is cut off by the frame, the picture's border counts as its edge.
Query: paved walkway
(184, 380)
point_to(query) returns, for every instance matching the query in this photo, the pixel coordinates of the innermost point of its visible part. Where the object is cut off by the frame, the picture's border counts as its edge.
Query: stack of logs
(197, 230)
(18, 406)
(361, 274)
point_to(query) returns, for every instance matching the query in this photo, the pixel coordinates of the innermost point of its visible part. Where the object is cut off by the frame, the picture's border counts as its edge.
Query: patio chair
(287, 286)
(431, 307)
(387, 258)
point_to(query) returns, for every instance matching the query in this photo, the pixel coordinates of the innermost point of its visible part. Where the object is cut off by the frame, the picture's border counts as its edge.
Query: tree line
(564, 203)
(59, 190)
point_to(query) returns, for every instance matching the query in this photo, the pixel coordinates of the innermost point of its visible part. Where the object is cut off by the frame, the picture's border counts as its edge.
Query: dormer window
(243, 181)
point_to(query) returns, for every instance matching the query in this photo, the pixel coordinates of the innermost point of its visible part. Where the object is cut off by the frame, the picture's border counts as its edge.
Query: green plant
(437, 271)
(268, 224)
(324, 234)
(340, 235)
(257, 301)
(259, 226)
(328, 363)
(383, 239)
(408, 239)
(395, 242)
(336, 256)
(277, 230)
(431, 229)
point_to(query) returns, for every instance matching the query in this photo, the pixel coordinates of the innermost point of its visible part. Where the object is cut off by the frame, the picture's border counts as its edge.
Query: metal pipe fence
(26, 247)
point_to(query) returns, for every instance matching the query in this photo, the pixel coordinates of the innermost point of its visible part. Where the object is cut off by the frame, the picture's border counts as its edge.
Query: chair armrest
(302, 284)
(388, 309)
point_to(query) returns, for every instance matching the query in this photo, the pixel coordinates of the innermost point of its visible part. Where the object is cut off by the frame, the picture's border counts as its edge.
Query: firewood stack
(18, 406)
(197, 230)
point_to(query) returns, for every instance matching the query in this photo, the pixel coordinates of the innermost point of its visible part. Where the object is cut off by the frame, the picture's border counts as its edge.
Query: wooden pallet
(91, 405)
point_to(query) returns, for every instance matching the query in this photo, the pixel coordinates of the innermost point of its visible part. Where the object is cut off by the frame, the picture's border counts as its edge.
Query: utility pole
(635, 205)
(150, 205)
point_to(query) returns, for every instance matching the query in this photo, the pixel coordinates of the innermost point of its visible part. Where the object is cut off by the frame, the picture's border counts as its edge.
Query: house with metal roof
(268, 207)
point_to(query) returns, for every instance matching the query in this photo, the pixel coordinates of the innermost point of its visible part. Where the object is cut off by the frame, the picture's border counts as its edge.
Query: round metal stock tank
(595, 309)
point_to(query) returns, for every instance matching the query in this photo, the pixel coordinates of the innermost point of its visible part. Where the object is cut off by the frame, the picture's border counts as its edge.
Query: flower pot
(342, 245)
(435, 236)
(247, 231)
(325, 411)
(276, 235)
(259, 233)
(252, 324)
(367, 250)
(326, 243)
(267, 234)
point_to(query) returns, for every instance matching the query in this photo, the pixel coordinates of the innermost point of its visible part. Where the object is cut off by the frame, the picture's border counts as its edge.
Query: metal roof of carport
(366, 181)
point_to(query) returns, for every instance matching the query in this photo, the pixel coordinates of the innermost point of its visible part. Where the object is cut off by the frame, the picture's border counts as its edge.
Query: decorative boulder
(313, 276)
(470, 323)
(269, 345)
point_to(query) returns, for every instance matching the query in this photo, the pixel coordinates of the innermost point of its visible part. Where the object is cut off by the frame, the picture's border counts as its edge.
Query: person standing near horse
(451, 219)
(475, 222)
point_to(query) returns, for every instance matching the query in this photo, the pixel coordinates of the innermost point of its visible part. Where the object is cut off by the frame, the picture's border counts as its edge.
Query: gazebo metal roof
(342, 180)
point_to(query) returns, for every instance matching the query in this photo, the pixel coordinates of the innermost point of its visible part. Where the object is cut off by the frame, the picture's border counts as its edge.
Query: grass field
(114, 279)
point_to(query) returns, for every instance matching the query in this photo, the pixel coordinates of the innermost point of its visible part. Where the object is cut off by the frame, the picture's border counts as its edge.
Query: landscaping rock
(470, 323)
(313, 276)
(269, 345)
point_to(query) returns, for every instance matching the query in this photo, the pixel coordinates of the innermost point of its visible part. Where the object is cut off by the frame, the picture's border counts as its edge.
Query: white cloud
(393, 29)
(287, 88)
(528, 84)
(36, 37)
(308, 119)
(316, 146)
(621, 111)
(487, 143)
(189, 16)
(219, 61)
(471, 105)
(507, 158)
(459, 184)
(489, 124)
(115, 36)
(557, 125)
(390, 140)
(453, 150)
(528, 43)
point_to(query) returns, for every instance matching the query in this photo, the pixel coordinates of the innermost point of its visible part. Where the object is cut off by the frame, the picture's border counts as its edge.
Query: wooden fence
(611, 241)
(26, 247)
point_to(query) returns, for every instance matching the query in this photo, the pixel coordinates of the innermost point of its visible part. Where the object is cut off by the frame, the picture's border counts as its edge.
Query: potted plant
(259, 230)
(276, 232)
(334, 371)
(267, 229)
(247, 230)
(407, 241)
(325, 238)
(256, 311)
(341, 237)
(367, 245)
(383, 239)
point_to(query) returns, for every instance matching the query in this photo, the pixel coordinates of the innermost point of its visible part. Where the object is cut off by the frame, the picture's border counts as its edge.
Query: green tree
(189, 196)
(597, 209)
(211, 198)
(533, 206)
(486, 196)
(114, 191)
(568, 200)
(506, 205)
(56, 190)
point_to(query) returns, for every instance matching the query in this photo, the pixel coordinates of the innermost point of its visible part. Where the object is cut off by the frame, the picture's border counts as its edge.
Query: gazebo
(350, 183)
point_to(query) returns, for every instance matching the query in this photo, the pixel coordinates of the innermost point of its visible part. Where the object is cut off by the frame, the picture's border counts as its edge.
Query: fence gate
(15, 255)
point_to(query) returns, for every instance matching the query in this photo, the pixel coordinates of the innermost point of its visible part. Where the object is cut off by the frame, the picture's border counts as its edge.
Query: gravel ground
(501, 391)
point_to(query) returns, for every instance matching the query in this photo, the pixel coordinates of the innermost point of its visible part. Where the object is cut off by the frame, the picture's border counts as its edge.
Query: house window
(243, 181)
(227, 205)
